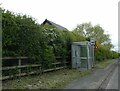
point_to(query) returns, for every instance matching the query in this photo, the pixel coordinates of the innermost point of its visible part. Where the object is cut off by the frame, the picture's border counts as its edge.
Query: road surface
(113, 83)
(98, 80)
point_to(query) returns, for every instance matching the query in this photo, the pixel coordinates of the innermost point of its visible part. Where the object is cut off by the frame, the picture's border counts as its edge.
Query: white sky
(69, 13)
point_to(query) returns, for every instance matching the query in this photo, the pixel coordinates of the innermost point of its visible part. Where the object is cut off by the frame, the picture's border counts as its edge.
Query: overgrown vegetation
(51, 80)
(57, 79)
(103, 41)
(104, 64)
(22, 36)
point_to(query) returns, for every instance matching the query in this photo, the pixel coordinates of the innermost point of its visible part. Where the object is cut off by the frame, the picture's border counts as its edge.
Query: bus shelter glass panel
(83, 56)
(83, 51)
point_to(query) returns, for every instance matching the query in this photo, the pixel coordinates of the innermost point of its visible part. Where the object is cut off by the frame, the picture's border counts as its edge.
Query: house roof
(54, 24)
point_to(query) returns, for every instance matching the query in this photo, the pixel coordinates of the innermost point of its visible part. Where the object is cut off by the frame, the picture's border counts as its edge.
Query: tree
(82, 29)
(96, 32)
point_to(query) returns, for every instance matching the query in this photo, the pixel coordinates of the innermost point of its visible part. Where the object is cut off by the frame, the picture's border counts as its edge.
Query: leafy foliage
(22, 36)
(19, 35)
(103, 40)
(96, 32)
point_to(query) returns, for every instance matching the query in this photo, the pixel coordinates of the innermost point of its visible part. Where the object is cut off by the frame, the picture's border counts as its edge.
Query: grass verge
(56, 80)
(104, 63)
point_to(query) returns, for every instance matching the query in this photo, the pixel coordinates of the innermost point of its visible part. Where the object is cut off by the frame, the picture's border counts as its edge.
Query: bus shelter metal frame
(78, 60)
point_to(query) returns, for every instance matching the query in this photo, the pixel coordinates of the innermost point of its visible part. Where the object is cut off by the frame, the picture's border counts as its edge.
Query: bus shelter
(82, 55)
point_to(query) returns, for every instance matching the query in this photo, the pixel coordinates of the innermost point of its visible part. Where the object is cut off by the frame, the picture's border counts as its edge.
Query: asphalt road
(113, 83)
(95, 80)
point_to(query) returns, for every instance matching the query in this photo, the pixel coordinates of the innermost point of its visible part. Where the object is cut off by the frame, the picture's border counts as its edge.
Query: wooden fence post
(19, 64)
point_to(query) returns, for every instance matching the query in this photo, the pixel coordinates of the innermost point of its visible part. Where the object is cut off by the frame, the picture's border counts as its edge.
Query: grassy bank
(104, 63)
(56, 79)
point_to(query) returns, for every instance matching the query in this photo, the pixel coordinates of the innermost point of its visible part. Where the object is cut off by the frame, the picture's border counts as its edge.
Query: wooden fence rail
(18, 68)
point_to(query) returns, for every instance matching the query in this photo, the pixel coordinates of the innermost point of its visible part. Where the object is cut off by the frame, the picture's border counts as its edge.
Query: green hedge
(103, 53)
(22, 36)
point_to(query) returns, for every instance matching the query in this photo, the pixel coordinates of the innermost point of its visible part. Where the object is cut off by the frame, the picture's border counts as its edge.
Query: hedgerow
(22, 36)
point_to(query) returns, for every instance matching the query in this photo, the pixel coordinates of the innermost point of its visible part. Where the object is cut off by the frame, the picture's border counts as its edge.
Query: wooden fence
(17, 66)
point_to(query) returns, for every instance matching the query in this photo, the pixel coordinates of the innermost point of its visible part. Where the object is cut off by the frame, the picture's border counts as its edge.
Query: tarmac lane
(113, 83)
(95, 80)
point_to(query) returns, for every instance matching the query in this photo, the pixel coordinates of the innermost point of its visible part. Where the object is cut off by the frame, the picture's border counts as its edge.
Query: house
(53, 24)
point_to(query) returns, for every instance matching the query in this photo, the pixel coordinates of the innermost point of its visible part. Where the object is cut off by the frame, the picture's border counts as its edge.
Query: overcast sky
(69, 13)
